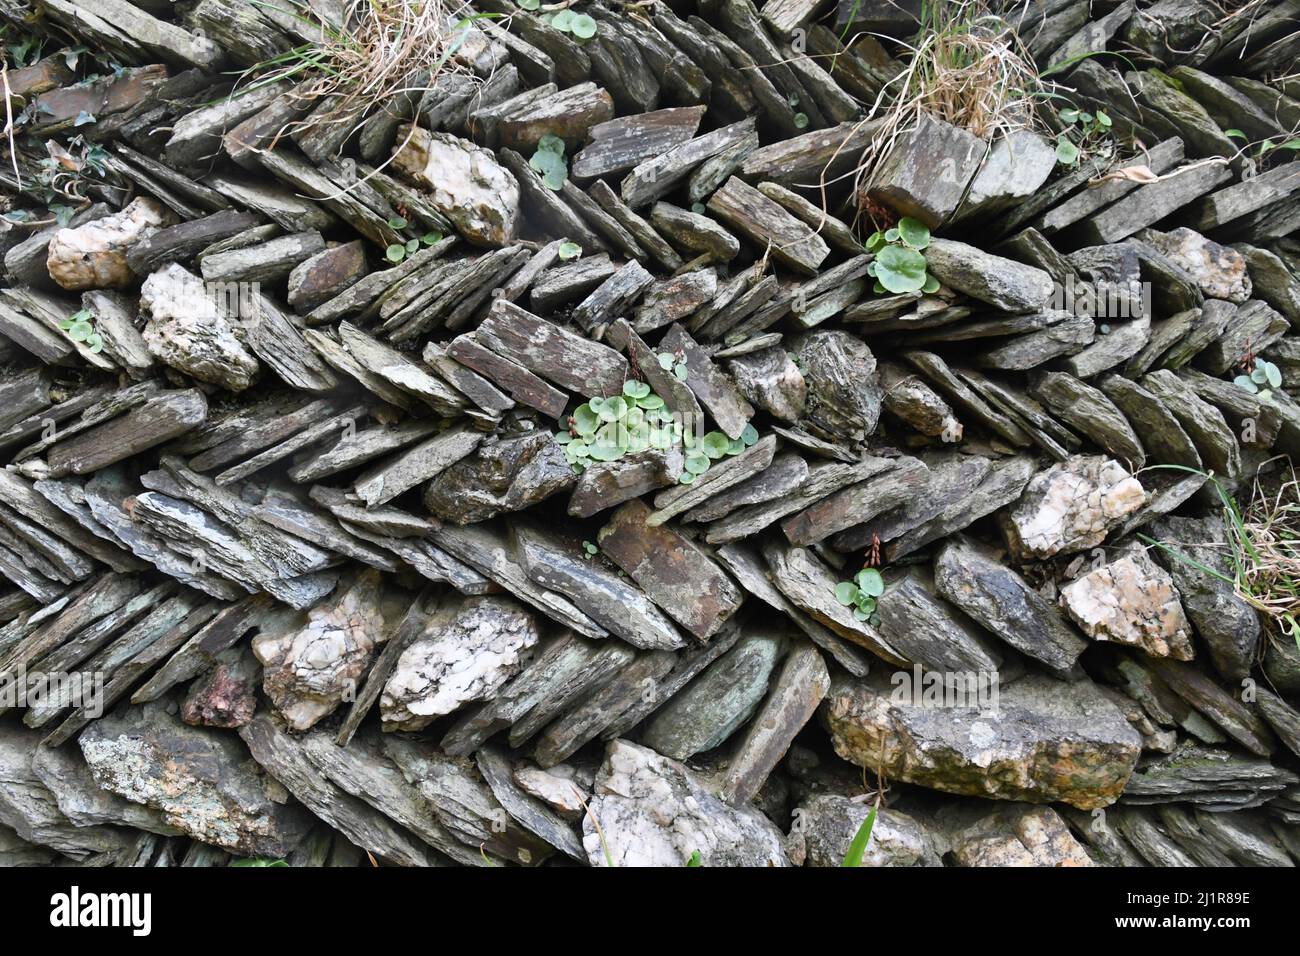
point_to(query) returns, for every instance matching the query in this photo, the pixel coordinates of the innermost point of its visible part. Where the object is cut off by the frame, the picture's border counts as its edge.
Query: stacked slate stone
(346, 600)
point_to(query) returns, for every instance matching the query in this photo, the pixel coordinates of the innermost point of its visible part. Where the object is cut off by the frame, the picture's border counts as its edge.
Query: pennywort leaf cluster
(899, 265)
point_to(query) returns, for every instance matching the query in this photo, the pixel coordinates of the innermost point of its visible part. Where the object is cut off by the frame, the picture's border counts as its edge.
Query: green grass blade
(860, 839)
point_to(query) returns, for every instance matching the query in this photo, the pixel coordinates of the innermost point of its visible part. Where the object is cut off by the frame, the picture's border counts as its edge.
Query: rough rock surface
(1131, 600)
(653, 811)
(187, 330)
(1044, 741)
(203, 781)
(466, 653)
(827, 823)
(93, 256)
(465, 183)
(309, 671)
(1071, 507)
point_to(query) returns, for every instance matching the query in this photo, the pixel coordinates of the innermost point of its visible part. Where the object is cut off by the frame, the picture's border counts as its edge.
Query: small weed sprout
(79, 327)
(1086, 135)
(899, 265)
(861, 593)
(1260, 380)
(549, 162)
(398, 251)
(607, 428)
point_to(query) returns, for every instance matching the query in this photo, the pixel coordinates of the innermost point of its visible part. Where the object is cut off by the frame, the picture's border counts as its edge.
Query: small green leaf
(715, 444)
(681, 371)
(431, 238)
(395, 253)
(875, 241)
(563, 438)
(583, 27)
(846, 593)
(697, 464)
(84, 119)
(914, 232)
(1273, 374)
(612, 409)
(550, 143)
(1068, 115)
(585, 420)
(900, 269)
(397, 222)
(259, 861)
(1243, 381)
(858, 846)
(686, 478)
(563, 20)
(695, 859)
(95, 342)
(570, 250)
(800, 120)
(1235, 134)
(891, 235)
(1066, 152)
(1103, 119)
(871, 582)
(931, 285)
(651, 402)
(749, 435)
(634, 389)
(412, 246)
(529, 4)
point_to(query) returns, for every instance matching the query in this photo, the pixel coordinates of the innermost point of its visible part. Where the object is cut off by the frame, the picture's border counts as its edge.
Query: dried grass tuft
(382, 50)
(966, 67)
